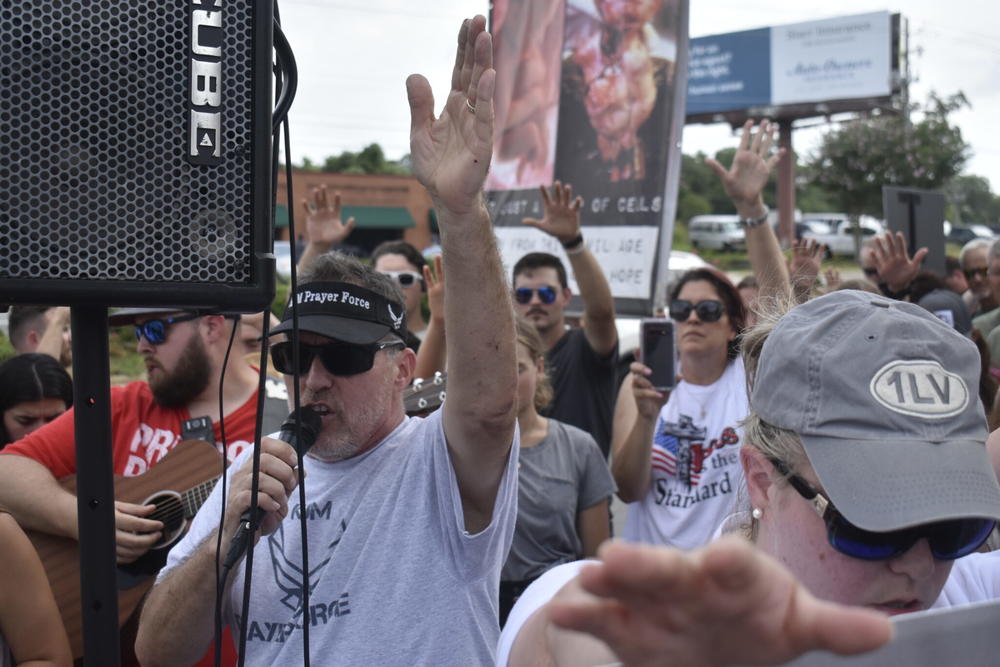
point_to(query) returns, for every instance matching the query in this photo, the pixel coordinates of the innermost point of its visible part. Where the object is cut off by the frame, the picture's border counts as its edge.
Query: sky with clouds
(354, 55)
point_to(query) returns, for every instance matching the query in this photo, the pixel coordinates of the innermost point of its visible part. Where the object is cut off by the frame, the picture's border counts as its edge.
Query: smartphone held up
(659, 351)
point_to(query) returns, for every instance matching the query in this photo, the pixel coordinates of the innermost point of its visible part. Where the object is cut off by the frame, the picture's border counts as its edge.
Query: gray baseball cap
(884, 397)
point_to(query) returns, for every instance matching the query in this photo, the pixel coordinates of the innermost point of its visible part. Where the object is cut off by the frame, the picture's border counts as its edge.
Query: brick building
(384, 207)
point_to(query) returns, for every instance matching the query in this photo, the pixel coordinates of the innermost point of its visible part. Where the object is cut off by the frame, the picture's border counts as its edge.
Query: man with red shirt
(183, 353)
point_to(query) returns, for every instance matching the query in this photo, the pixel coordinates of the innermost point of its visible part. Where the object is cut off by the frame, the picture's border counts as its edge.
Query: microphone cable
(285, 65)
(220, 582)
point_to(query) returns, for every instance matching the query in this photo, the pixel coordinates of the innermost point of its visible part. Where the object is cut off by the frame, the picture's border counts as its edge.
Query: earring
(757, 513)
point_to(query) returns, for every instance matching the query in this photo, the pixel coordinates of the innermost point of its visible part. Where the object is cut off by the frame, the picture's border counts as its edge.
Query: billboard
(591, 93)
(843, 58)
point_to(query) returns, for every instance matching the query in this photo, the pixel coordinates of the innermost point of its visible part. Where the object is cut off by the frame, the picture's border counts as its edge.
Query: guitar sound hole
(169, 510)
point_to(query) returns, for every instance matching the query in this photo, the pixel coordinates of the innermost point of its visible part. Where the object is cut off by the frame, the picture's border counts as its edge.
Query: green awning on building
(379, 217)
(280, 216)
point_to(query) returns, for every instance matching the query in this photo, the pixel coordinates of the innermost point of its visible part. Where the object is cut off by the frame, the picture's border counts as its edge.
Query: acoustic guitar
(178, 485)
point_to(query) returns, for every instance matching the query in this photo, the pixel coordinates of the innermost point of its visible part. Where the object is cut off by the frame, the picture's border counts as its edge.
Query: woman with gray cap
(867, 475)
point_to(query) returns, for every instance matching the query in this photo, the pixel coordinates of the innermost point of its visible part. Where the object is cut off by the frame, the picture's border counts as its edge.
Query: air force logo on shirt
(920, 388)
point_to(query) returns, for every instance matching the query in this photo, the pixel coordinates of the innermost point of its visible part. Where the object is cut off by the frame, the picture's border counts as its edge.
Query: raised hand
(562, 213)
(324, 225)
(832, 279)
(451, 153)
(895, 266)
(435, 288)
(745, 179)
(804, 265)
(661, 606)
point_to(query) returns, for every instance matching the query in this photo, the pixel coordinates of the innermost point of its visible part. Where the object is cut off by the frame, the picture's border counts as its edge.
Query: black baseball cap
(345, 312)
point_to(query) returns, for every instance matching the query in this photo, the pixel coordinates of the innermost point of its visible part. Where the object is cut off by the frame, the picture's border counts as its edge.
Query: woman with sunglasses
(675, 453)
(866, 477)
(34, 390)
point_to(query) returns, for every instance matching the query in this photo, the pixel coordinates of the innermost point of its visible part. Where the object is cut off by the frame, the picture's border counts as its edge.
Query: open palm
(451, 154)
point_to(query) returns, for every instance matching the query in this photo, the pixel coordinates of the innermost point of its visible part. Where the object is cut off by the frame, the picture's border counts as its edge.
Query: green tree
(371, 160)
(701, 192)
(854, 161)
(970, 199)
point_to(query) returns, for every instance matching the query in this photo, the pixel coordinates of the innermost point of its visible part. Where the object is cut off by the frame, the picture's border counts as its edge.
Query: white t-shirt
(396, 579)
(974, 578)
(534, 597)
(696, 471)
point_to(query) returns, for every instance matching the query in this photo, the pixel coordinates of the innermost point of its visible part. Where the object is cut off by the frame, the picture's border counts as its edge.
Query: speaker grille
(94, 184)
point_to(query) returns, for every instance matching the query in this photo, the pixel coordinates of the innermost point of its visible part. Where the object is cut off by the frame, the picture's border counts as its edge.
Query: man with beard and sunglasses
(409, 519)
(183, 353)
(581, 363)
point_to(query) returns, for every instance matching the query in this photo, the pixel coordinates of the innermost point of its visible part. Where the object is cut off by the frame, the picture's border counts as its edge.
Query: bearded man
(183, 353)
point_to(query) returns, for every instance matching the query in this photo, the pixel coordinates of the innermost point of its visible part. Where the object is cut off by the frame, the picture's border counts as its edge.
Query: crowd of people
(822, 463)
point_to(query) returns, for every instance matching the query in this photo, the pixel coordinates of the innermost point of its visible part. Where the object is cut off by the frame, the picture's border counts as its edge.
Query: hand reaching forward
(451, 154)
(895, 267)
(562, 213)
(745, 179)
(324, 225)
(721, 604)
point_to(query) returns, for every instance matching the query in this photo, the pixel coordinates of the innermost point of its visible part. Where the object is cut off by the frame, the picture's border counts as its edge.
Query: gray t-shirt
(557, 478)
(396, 580)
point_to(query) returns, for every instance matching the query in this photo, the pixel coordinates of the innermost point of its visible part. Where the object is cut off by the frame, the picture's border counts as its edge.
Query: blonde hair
(527, 335)
(774, 442)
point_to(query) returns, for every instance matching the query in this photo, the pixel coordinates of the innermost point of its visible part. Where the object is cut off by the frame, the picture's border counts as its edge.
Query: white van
(716, 232)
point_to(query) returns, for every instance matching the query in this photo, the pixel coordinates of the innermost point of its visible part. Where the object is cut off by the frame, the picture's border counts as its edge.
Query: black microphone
(310, 424)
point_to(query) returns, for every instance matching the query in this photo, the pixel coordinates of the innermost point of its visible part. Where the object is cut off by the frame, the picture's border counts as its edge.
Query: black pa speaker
(135, 153)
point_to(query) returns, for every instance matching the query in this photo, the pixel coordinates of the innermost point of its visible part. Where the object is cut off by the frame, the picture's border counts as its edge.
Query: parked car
(802, 228)
(716, 232)
(838, 237)
(962, 234)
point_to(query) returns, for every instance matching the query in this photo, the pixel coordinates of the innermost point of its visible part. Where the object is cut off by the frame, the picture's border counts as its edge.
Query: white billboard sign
(626, 254)
(840, 58)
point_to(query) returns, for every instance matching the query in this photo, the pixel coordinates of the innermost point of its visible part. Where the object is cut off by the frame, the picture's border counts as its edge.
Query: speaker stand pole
(95, 491)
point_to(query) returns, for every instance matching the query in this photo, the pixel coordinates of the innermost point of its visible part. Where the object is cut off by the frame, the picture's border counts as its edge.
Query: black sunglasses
(948, 540)
(546, 294)
(709, 310)
(870, 271)
(155, 331)
(982, 272)
(337, 358)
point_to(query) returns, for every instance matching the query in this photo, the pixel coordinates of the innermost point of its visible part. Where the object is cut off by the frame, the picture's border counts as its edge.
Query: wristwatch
(754, 222)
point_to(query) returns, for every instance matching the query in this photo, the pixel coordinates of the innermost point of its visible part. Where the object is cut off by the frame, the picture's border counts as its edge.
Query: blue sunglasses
(948, 540)
(546, 294)
(155, 331)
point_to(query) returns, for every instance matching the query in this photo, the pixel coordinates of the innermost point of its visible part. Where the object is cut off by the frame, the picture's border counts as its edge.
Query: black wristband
(898, 296)
(574, 242)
